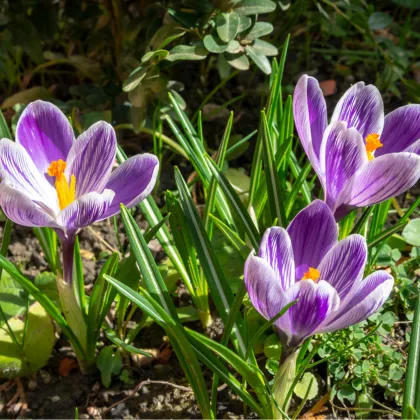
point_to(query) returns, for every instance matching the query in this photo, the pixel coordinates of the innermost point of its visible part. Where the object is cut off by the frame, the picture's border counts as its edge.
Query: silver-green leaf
(254, 7)
(258, 30)
(227, 26)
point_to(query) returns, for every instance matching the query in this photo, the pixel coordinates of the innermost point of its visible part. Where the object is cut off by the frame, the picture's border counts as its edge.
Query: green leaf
(154, 54)
(187, 52)
(234, 47)
(237, 206)
(412, 380)
(13, 298)
(214, 44)
(245, 23)
(411, 232)
(27, 96)
(134, 79)
(238, 61)
(250, 373)
(220, 290)
(47, 284)
(272, 347)
(46, 303)
(308, 385)
(227, 26)
(379, 20)
(265, 48)
(148, 268)
(179, 341)
(4, 129)
(259, 59)
(258, 30)
(274, 188)
(254, 7)
(347, 393)
(112, 336)
(38, 341)
(109, 363)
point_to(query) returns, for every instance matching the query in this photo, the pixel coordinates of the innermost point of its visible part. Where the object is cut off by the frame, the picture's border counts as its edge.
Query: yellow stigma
(372, 143)
(66, 193)
(311, 274)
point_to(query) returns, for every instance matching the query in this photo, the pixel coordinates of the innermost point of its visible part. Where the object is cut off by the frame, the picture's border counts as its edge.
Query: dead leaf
(164, 356)
(66, 366)
(318, 408)
(328, 87)
(141, 361)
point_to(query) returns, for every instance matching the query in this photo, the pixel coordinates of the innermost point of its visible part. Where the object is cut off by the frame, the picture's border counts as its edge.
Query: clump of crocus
(361, 157)
(308, 264)
(50, 179)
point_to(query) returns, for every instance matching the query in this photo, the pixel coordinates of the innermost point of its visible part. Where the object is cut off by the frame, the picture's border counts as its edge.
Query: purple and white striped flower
(49, 178)
(361, 157)
(307, 263)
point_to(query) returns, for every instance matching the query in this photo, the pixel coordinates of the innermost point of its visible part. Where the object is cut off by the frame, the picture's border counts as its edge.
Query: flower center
(372, 143)
(66, 193)
(311, 274)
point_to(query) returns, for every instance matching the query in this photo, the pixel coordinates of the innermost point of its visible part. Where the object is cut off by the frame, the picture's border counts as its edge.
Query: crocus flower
(51, 179)
(361, 157)
(307, 263)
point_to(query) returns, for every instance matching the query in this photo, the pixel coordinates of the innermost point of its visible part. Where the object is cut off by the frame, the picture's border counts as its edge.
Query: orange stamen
(311, 274)
(66, 193)
(372, 143)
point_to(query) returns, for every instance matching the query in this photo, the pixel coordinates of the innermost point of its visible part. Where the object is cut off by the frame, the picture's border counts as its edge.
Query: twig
(373, 410)
(102, 240)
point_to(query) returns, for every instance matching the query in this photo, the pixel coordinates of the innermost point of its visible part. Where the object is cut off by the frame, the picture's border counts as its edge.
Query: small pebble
(55, 398)
(84, 416)
(32, 385)
(45, 376)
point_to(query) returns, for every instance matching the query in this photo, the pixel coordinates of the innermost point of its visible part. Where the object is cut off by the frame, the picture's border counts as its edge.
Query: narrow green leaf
(412, 379)
(220, 289)
(112, 336)
(237, 206)
(179, 341)
(4, 129)
(274, 189)
(150, 273)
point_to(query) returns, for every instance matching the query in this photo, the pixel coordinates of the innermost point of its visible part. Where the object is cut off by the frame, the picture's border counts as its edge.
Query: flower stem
(69, 303)
(282, 382)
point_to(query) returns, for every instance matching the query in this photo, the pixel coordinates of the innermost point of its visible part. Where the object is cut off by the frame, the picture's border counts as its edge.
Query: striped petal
(401, 130)
(315, 303)
(276, 249)
(263, 286)
(363, 301)
(361, 107)
(344, 264)
(312, 232)
(380, 179)
(45, 132)
(132, 181)
(22, 210)
(91, 157)
(19, 171)
(343, 152)
(310, 113)
(86, 210)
